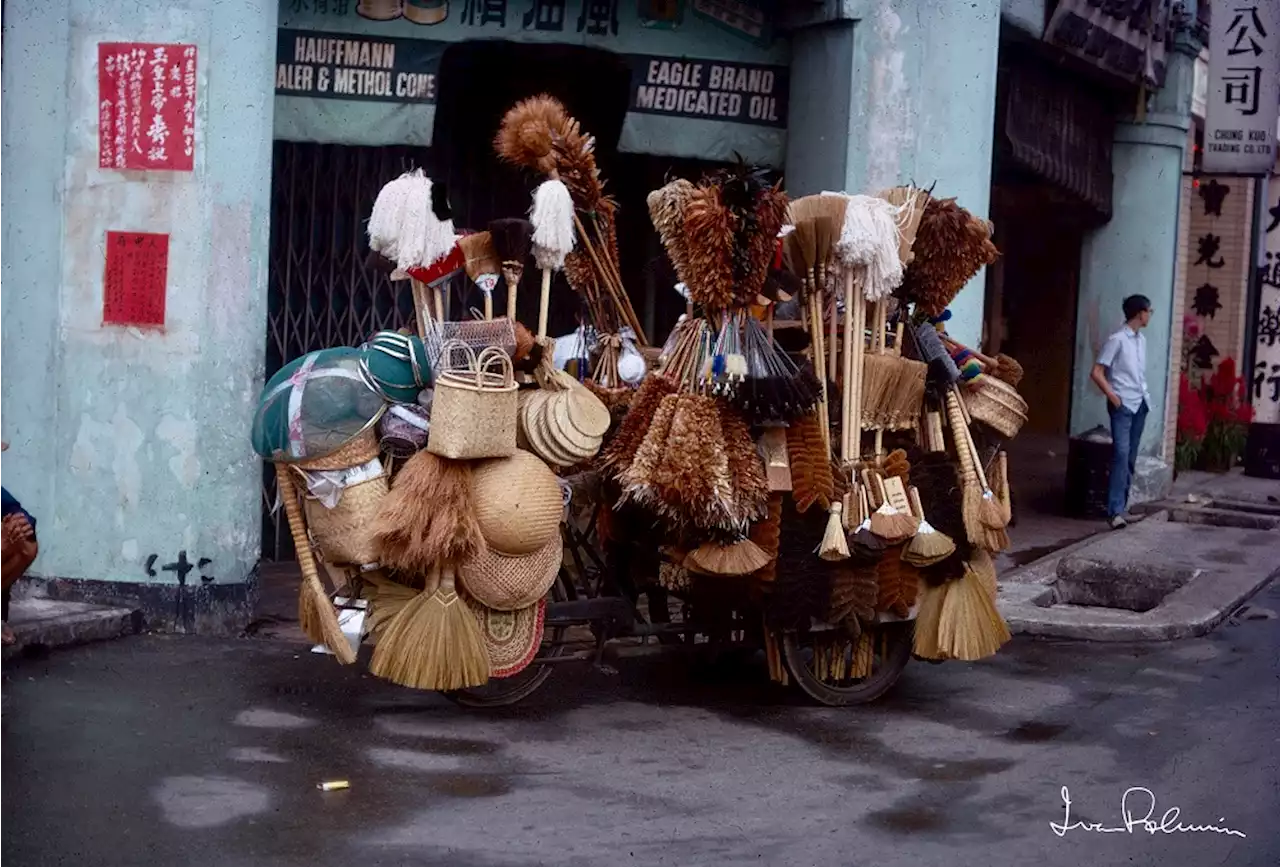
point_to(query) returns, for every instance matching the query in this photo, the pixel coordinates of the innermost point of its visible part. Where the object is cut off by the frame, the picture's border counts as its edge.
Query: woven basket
(473, 411)
(517, 502)
(998, 405)
(512, 638)
(509, 583)
(344, 533)
(359, 450)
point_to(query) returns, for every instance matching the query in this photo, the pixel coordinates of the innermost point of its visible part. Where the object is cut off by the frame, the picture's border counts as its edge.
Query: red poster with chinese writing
(137, 274)
(146, 106)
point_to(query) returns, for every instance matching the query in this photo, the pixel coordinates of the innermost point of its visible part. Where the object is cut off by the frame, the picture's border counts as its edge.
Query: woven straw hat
(512, 638)
(517, 503)
(509, 583)
(358, 451)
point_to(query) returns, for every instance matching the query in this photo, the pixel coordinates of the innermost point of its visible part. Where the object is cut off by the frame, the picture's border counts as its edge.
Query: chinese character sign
(1244, 87)
(146, 106)
(1265, 377)
(133, 291)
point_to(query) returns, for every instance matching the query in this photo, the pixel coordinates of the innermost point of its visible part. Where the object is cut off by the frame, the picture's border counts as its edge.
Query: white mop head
(869, 239)
(552, 218)
(403, 227)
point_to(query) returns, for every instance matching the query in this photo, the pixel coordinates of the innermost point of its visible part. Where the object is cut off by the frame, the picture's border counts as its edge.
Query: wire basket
(477, 334)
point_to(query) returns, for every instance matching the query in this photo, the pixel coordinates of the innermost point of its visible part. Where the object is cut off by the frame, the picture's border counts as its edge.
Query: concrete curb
(1029, 598)
(51, 624)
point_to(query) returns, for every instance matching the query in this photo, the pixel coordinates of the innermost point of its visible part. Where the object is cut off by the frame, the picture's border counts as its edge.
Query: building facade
(261, 131)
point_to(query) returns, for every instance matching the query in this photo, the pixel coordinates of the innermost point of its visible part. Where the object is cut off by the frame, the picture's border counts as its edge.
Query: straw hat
(518, 503)
(507, 583)
(512, 638)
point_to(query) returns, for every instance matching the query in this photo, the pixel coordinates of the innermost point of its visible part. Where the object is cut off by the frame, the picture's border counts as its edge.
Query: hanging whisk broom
(928, 546)
(512, 238)
(434, 642)
(482, 265)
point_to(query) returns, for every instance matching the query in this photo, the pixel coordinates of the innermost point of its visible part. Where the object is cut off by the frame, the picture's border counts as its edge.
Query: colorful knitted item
(966, 361)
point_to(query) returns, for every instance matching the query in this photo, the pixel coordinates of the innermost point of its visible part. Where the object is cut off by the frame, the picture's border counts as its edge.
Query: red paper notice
(137, 273)
(146, 106)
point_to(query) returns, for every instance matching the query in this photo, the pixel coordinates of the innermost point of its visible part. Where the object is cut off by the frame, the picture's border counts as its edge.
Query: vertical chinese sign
(146, 106)
(136, 276)
(1266, 367)
(1244, 87)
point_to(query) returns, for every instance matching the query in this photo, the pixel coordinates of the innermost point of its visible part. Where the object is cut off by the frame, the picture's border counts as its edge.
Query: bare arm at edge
(1099, 377)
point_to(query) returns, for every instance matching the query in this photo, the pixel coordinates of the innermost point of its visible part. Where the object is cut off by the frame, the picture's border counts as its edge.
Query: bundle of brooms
(424, 526)
(538, 134)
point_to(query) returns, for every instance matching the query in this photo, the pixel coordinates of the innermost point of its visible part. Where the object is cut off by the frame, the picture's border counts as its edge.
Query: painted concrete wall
(127, 443)
(921, 108)
(1137, 251)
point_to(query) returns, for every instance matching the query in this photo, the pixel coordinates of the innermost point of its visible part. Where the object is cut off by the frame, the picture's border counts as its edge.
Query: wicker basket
(518, 503)
(359, 450)
(510, 583)
(344, 533)
(473, 411)
(998, 405)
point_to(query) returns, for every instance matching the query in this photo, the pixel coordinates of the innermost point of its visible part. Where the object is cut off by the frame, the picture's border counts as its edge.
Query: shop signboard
(146, 106)
(1243, 97)
(1265, 376)
(750, 93)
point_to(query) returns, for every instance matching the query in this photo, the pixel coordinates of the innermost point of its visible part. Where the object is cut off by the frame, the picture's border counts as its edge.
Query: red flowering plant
(1193, 422)
(1227, 412)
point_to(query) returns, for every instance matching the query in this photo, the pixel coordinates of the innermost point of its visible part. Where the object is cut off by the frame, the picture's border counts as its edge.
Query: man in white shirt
(1121, 374)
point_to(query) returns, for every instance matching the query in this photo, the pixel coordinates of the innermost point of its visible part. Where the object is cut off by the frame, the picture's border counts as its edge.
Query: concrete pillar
(1136, 251)
(131, 446)
(893, 91)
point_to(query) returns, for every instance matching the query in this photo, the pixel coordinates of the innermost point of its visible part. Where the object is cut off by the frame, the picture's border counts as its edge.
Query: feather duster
(709, 233)
(428, 516)
(528, 131)
(749, 484)
(951, 246)
(666, 209)
(621, 450)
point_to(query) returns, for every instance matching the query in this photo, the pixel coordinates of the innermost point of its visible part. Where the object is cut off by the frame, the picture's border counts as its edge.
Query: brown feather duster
(666, 209)
(528, 132)
(427, 517)
(708, 229)
(621, 450)
(951, 246)
(639, 476)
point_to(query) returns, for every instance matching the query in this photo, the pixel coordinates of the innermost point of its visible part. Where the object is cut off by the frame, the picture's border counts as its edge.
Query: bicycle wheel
(505, 691)
(822, 664)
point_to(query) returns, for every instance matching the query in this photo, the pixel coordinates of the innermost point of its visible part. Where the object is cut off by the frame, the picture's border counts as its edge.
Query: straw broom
(482, 266)
(981, 511)
(316, 614)
(434, 642)
(970, 626)
(928, 619)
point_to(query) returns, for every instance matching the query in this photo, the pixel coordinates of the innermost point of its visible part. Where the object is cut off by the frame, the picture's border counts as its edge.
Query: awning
(1127, 38)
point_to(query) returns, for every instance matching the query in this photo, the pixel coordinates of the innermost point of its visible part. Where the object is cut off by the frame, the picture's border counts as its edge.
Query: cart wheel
(824, 674)
(504, 691)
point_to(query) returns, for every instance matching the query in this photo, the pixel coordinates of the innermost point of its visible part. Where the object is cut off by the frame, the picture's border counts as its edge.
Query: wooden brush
(316, 614)
(434, 642)
(513, 239)
(888, 522)
(482, 265)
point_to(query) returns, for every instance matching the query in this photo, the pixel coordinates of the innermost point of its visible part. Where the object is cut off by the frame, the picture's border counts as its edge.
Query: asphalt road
(206, 753)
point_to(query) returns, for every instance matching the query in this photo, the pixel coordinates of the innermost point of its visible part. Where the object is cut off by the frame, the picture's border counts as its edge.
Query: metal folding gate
(320, 293)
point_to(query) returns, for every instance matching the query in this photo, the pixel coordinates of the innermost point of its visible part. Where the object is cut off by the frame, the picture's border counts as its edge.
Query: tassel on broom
(316, 614)
(434, 642)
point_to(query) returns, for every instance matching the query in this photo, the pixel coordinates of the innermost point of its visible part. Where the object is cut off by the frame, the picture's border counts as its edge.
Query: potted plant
(1227, 412)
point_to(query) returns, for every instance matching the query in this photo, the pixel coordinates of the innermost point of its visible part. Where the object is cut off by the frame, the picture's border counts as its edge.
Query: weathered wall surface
(131, 443)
